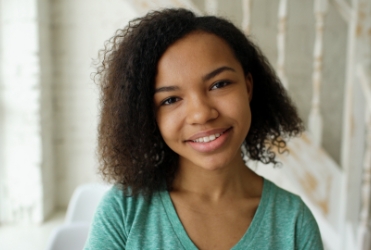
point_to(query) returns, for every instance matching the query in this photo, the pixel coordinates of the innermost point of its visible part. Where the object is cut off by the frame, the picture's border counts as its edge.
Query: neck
(235, 180)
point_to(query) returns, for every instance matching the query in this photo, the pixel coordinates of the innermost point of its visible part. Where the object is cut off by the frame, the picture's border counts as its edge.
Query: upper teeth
(207, 138)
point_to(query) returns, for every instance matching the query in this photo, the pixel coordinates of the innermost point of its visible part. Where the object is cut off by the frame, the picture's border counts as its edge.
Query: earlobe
(249, 85)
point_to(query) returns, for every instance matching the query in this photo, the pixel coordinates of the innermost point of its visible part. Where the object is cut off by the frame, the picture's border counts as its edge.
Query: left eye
(220, 84)
(170, 100)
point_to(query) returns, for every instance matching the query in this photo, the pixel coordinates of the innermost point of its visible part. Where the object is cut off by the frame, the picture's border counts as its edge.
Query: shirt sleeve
(108, 227)
(308, 237)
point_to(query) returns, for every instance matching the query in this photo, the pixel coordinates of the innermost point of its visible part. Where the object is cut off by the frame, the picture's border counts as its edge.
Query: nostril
(202, 115)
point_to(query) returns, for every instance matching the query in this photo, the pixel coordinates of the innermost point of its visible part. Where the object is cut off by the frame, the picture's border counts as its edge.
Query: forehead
(199, 38)
(198, 52)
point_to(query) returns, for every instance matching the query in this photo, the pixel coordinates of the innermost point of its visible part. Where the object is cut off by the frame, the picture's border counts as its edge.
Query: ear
(249, 85)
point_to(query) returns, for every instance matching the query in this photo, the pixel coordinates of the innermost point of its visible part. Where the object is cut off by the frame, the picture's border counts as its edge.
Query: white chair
(69, 237)
(84, 202)
(81, 208)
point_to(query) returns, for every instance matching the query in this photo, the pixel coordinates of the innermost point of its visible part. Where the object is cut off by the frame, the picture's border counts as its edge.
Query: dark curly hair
(131, 149)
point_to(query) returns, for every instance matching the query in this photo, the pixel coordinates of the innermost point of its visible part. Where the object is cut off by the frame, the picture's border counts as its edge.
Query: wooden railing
(364, 229)
(315, 119)
(281, 42)
(246, 16)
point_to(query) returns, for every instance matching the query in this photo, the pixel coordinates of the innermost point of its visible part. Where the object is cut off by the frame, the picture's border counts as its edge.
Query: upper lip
(207, 133)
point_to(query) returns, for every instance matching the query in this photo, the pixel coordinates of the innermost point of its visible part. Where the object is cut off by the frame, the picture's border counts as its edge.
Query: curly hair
(130, 147)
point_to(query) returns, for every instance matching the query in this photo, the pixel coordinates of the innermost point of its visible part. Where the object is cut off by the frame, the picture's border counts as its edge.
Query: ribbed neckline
(241, 244)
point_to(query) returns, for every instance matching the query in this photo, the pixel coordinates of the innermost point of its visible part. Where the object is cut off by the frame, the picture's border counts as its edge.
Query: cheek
(239, 109)
(237, 104)
(167, 125)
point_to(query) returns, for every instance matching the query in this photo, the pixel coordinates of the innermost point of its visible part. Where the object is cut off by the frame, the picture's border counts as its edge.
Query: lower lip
(206, 147)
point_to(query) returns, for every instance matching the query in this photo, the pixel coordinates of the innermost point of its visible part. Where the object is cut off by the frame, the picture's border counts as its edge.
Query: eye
(170, 100)
(220, 84)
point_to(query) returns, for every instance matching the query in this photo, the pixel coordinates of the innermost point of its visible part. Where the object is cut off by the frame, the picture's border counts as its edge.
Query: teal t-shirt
(282, 221)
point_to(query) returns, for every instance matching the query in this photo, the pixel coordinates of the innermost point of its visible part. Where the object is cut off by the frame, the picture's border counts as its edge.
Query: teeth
(208, 138)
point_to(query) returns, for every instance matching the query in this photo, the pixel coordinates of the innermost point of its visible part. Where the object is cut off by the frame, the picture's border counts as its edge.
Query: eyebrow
(204, 78)
(166, 89)
(217, 72)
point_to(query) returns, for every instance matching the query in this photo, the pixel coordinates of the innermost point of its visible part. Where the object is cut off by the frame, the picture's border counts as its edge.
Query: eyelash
(171, 100)
(224, 83)
(165, 102)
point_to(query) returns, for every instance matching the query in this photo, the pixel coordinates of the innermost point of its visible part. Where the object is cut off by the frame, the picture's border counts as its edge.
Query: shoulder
(117, 201)
(295, 215)
(281, 199)
(288, 205)
(110, 223)
(115, 197)
(108, 227)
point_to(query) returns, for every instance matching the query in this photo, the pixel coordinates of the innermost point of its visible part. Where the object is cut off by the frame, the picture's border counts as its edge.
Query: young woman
(180, 95)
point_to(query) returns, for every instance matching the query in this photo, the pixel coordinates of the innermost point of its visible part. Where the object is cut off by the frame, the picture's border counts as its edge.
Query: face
(202, 101)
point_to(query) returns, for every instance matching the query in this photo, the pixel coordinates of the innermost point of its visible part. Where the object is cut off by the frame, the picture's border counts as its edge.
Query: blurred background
(49, 104)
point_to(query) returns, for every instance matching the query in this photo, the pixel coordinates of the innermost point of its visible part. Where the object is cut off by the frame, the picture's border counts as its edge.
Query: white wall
(46, 108)
(25, 112)
(79, 29)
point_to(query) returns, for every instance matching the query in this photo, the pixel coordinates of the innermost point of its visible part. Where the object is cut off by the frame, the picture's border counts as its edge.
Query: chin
(213, 165)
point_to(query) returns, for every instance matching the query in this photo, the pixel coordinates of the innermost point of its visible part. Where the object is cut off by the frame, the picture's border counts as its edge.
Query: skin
(201, 89)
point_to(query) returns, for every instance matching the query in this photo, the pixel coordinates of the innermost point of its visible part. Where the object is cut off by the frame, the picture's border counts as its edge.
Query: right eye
(170, 100)
(220, 84)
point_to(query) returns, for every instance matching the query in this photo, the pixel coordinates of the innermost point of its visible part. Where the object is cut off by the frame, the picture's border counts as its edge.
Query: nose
(201, 110)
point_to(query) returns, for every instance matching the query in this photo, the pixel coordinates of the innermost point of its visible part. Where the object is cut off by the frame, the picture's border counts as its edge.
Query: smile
(207, 142)
(208, 138)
